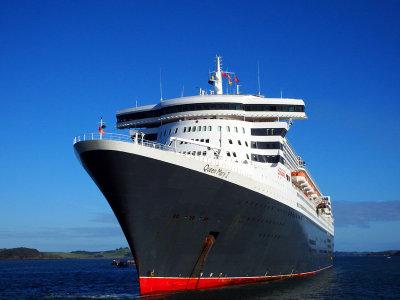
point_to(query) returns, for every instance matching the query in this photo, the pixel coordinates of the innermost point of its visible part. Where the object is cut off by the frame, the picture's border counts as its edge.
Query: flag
(223, 74)
(236, 79)
(101, 130)
(230, 80)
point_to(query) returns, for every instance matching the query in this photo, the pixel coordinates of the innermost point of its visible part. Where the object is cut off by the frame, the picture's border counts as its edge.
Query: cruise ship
(208, 190)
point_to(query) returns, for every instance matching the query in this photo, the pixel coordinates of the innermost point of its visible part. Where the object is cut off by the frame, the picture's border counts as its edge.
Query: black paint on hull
(167, 212)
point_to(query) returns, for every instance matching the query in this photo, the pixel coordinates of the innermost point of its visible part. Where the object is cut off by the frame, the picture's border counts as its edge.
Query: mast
(218, 78)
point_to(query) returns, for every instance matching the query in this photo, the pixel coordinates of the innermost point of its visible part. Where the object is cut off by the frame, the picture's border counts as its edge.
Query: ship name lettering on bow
(219, 172)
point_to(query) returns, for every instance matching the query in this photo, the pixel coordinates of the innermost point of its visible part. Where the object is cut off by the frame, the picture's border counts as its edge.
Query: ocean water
(351, 278)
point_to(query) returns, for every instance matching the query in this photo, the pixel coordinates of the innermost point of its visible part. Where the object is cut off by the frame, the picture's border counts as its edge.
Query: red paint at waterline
(160, 285)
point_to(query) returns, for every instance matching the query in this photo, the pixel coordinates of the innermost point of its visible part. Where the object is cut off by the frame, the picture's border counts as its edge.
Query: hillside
(382, 253)
(27, 253)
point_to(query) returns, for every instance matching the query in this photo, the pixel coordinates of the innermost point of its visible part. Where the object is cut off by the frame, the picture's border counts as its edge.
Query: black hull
(182, 223)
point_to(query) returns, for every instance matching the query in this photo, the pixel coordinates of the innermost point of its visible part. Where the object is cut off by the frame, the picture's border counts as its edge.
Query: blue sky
(63, 64)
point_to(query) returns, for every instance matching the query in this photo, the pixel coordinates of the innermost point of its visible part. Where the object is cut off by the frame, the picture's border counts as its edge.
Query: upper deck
(242, 107)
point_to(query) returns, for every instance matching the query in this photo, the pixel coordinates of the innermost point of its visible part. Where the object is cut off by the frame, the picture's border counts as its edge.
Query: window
(176, 130)
(165, 132)
(204, 128)
(207, 140)
(189, 128)
(209, 128)
(202, 140)
(184, 129)
(228, 153)
(194, 128)
(245, 142)
(199, 153)
(236, 129)
(193, 152)
(268, 131)
(243, 130)
(230, 141)
(234, 154)
(197, 140)
(266, 145)
(219, 128)
(228, 129)
(267, 107)
(207, 106)
(247, 156)
(239, 143)
(273, 159)
(204, 153)
(198, 128)
(169, 133)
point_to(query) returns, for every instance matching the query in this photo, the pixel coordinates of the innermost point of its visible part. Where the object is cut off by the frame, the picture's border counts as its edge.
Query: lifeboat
(301, 180)
(324, 208)
(298, 180)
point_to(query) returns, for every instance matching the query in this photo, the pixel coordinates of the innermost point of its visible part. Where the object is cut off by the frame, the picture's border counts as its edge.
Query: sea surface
(351, 278)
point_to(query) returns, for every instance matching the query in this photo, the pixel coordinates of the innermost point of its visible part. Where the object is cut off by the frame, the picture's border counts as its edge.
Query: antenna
(237, 88)
(281, 93)
(183, 90)
(101, 127)
(136, 102)
(259, 89)
(160, 87)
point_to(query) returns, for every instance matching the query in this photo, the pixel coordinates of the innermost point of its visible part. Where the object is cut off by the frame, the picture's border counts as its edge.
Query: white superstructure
(246, 133)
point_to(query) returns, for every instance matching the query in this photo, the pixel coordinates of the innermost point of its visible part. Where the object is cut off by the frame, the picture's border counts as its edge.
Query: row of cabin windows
(239, 142)
(202, 128)
(198, 153)
(266, 145)
(196, 128)
(274, 159)
(234, 129)
(209, 128)
(208, 106)
(254, 131)
(204, 153)
(197, 140)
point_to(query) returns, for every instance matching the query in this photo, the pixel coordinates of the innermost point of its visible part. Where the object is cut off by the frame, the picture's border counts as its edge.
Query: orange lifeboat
(301, 180)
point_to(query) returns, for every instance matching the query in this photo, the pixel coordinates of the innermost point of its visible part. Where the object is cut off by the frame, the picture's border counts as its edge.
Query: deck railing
(225, 162)
(301, 164)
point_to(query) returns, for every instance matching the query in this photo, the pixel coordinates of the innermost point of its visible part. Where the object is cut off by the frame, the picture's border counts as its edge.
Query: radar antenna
(218, 77)
(160, 87)
(259, 89)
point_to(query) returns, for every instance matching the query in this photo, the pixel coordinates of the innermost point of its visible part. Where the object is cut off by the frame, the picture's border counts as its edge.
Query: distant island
(28, 253)
(381, 253)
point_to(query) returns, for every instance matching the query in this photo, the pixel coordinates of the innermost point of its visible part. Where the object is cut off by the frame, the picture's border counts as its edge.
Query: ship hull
(190, 230)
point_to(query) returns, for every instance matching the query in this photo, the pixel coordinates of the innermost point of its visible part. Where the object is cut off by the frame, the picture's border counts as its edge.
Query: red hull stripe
(160, 285)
